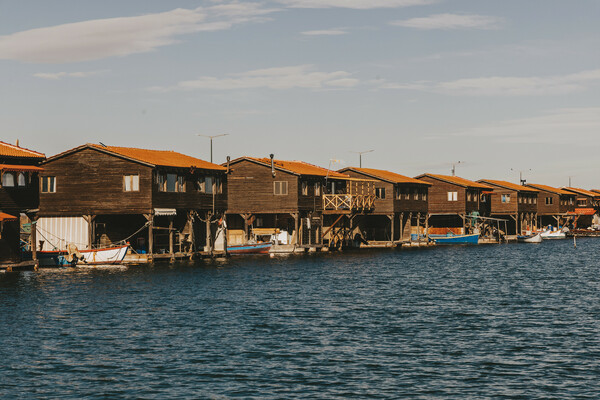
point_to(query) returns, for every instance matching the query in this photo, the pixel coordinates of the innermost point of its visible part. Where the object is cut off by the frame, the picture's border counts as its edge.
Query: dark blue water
(502, 321)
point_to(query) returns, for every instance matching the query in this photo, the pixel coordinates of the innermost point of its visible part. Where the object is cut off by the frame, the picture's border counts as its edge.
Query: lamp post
(211, 141)
(360, 153)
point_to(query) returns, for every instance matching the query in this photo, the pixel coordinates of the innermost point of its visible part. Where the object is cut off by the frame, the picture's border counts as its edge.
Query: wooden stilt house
(166, 204)
(587, 204)
(19, 197)
(289, 202)
(401, 206)
(514, 201)
(555, 206)
(454, 202)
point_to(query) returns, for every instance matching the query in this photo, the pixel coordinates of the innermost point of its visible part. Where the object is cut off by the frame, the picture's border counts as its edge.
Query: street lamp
(360, 153)
(211, 140)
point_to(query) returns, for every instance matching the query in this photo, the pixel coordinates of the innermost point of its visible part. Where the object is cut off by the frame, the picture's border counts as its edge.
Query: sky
(506, 87)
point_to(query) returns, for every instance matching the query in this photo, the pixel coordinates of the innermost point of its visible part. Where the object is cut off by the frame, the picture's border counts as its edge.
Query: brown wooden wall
(250, 190)
(14, 200)
(391, 204)
(438, 198)
(91, 182)
(548, 209)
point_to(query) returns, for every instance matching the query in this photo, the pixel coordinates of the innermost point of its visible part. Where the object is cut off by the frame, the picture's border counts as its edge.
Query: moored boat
(532, 238)
(549, 234)
(455, 239)
(101, 256)
(250, 248)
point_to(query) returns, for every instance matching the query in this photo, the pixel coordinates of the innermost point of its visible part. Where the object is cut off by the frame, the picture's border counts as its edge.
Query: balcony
(348, 202)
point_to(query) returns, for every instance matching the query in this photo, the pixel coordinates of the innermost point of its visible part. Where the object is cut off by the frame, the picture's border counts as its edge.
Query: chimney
(17, 144)
(272, 165)
(228, 159)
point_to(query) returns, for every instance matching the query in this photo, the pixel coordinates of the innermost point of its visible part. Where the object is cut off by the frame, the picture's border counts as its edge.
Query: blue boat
(455, 239)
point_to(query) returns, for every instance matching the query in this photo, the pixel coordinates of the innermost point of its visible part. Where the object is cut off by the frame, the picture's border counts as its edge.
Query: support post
(34, 238)
(150, 219)
(225, 234)
(192, 235)
(401, 226)
(295, 216)
(90, 220)
(391, 217)
(209, 233)
(171, 239)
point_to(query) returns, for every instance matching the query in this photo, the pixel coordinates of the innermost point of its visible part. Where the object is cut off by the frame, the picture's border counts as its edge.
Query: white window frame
(452, 196)
(280, 188)
(51, 187)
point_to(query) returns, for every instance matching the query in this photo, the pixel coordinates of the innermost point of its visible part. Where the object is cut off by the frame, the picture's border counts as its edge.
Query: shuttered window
(280, 188)
(452, 196)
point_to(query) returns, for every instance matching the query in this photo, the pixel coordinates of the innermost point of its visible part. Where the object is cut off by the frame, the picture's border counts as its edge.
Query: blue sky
(503, 86)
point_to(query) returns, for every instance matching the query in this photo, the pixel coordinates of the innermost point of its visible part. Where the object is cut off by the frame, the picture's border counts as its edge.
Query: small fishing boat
(558, 234)
(455, 239)
(73, 257)
(250, 248)
(531, 238)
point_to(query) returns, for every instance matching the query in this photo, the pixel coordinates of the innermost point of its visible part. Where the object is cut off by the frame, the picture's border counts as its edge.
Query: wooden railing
(348, 202)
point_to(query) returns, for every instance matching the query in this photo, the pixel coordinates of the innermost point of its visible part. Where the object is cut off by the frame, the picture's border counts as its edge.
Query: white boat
(531, 238)
(103, 256)
(549, 234)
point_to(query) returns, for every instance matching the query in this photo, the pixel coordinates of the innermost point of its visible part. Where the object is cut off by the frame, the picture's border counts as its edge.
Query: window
(131, 183)
(521, 199)
(581, 202)
(407, 195)
(21, 179)
(280, 188)
(380, 193)
(48, 184)
(8, 179)
(570, 201)
(483, 198)
(505, 198)
(424, 195)
(317, 189)
(452, 196)
(416, 194)
(304, 188)
(218, 185)
(535, 200)
(208, 184)
(171, 182)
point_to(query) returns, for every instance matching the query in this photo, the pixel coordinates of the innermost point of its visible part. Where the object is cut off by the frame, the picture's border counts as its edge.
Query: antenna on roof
(521, 180)
(360, 153)
(102, 144)
(570, 181)
(454, 167)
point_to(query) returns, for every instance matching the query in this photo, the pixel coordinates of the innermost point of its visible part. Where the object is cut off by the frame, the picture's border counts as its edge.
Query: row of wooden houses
(168, 205)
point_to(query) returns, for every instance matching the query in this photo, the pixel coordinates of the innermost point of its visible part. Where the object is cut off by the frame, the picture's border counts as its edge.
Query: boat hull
(106, 256)
(456, 239)
(537, 238)
(258, 248)
(553, 235)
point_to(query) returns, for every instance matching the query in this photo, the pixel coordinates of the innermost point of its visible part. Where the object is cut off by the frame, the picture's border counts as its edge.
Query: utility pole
(211, 141)
(360, 153)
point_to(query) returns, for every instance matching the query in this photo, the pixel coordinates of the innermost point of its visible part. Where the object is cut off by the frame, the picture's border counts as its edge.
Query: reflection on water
(486, 321)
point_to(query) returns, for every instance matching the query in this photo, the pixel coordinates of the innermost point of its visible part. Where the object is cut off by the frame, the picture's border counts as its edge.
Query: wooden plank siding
(90, 182)
(438, 197)
(395, 195)
(251, 190)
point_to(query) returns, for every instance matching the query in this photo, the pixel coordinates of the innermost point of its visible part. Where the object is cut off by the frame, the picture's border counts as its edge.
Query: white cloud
(355, 4)
(507, 86)
(60, 75)
(101, 38)
(450, 21)
(325, 32)
(301, 76)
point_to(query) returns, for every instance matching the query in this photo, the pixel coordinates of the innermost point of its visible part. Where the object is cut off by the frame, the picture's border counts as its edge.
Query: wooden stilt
(171, 239)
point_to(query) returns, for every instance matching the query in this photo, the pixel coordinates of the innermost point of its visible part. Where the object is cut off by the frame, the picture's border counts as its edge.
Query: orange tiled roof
(164, 158)
(547, 188)
(7, 217)
(386, 175)
(582, 191)
(509, 185)
(302, 168)
(458, 181)
(10, 150)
